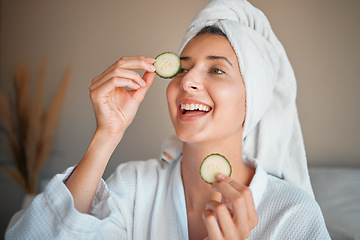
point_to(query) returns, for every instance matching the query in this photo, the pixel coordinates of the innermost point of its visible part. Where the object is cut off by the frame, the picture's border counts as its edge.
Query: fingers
(118, 73)
(238, 196)
(109, 86)
(235, 214)
(224, 218)
(211, 224)
(132, 62)
(121, 69)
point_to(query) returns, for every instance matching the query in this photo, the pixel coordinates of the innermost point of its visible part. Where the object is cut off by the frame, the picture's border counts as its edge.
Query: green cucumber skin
(215, 154)
(168, 77)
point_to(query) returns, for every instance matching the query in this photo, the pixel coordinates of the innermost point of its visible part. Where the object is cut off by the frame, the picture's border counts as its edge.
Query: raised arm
(115, 107)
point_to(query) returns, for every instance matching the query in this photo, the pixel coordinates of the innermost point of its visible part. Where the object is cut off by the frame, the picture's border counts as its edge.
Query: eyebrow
(211, 57)
(219, 57)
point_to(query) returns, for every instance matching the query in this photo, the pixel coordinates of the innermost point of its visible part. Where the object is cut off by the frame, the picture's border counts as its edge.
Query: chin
(190, 137)
(187, 136)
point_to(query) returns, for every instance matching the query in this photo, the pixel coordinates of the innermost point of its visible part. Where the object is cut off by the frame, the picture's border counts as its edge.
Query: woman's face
(206, 99)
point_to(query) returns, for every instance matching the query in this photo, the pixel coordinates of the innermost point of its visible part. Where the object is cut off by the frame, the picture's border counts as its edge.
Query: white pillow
(337, 190)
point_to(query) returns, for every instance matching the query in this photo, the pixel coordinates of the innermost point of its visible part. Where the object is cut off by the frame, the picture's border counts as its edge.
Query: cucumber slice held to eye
(167, 65)
(212, 165)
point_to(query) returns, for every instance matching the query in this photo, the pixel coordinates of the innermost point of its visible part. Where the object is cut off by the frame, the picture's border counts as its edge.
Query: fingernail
(142, 83)
(152, 68)
(220, 176)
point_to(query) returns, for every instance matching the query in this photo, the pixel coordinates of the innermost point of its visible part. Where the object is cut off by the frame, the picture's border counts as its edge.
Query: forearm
(83, 182)
(115, 107)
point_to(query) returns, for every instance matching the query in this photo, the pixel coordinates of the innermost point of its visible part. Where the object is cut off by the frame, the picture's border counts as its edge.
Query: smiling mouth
(194, 108)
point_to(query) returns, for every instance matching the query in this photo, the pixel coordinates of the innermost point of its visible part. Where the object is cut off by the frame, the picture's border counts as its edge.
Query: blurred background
(321, 38)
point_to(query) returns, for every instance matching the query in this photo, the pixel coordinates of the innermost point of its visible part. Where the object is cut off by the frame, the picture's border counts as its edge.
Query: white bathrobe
(145, 200)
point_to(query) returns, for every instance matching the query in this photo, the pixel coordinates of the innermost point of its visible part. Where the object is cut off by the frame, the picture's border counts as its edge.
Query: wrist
(106, 140)
(109, 136)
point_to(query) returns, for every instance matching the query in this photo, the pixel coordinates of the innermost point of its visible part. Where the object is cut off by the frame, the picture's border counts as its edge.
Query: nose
(191, 82)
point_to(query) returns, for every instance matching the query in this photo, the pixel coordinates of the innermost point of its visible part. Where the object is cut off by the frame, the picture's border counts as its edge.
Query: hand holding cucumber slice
(212, 165)
(167, 65)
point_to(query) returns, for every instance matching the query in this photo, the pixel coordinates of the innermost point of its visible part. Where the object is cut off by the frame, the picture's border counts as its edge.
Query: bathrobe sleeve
(52, 215)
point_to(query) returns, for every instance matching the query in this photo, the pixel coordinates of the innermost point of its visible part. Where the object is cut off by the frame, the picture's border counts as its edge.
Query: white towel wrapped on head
(272, 133)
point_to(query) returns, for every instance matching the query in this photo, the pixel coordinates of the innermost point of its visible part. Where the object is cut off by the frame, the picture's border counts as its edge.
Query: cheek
(230, 103)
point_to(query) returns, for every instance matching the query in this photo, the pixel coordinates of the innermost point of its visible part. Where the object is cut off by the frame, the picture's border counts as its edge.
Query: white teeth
(192, 106)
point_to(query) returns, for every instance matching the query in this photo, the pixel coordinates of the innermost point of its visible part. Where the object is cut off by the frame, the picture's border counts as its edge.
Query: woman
(212, 110)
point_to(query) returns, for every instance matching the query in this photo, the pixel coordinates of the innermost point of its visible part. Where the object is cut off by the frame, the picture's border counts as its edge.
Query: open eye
(216, 71)
(183, 70)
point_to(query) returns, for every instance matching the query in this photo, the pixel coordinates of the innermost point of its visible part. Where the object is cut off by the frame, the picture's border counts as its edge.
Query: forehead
(209, 44)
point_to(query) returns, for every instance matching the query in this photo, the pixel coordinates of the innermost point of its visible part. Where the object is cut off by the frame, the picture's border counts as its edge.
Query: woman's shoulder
(137, 173)
(289, 199)
(145, 167)
(296, 210)
(274, 195)
(139, 165)
(287, 194)
(270, 189)
(132, 168)
(291, 211)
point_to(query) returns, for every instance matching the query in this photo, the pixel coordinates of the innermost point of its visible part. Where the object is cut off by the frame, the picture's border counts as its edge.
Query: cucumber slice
(167, 65)
(212, 165)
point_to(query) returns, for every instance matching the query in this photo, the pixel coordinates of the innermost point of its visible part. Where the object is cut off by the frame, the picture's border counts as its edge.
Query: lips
(192, 110)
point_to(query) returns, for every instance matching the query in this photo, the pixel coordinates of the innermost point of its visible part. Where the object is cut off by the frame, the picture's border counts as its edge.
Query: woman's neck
(197, 192)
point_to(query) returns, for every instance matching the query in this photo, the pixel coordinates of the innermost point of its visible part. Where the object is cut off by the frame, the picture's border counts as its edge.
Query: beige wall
(321, 38)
